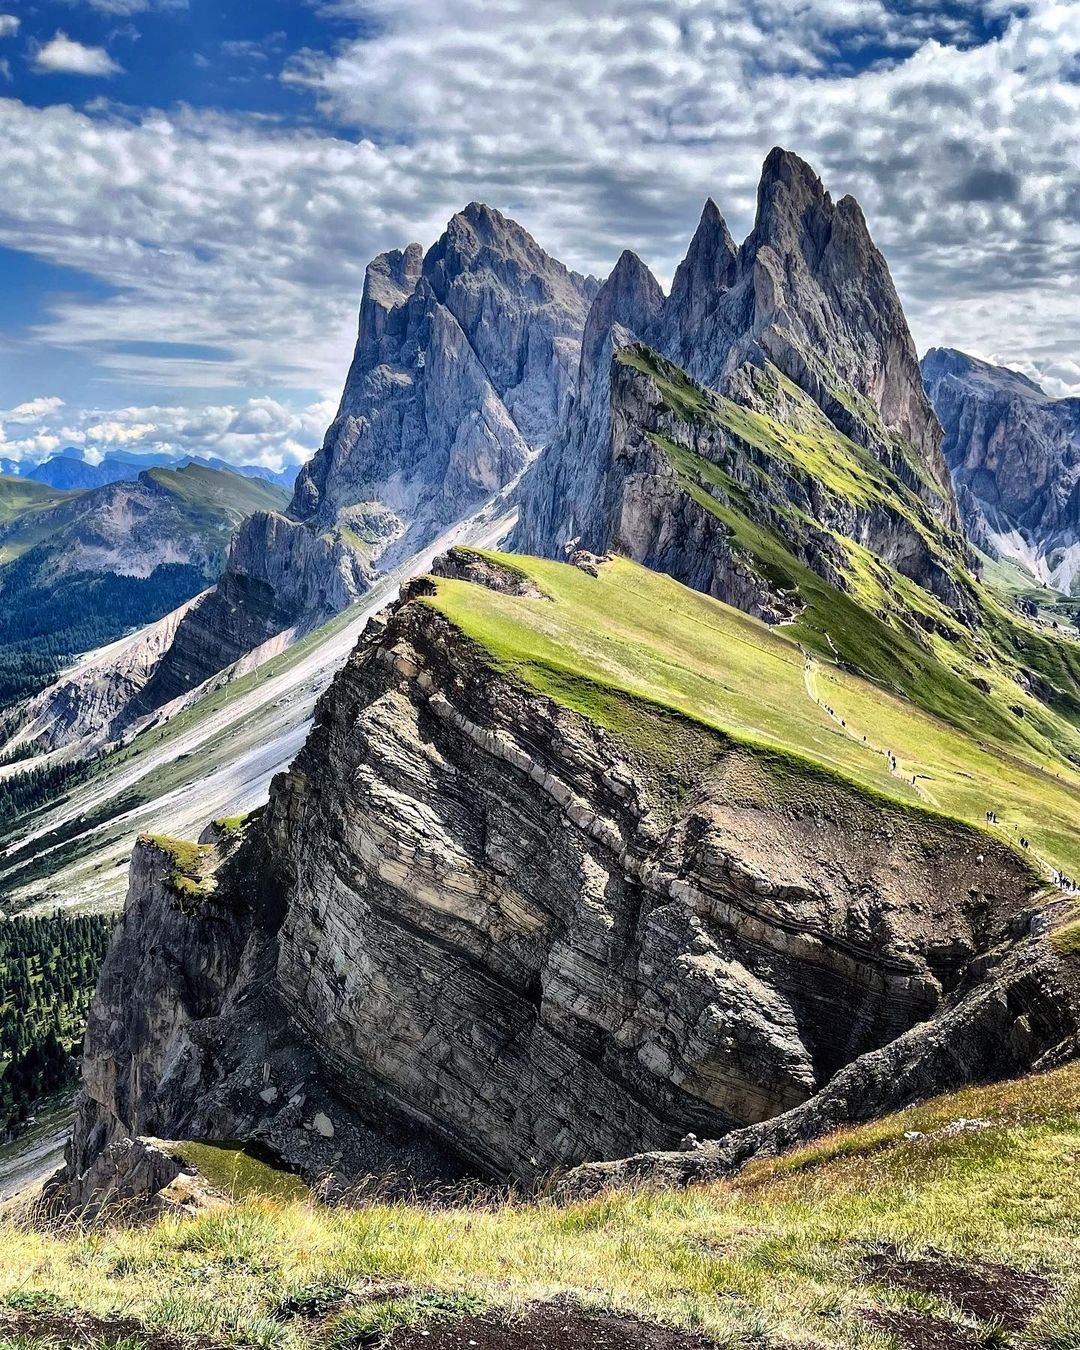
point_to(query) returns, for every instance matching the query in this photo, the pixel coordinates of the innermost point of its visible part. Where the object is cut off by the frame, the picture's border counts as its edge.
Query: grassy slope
(882, 624)
(632, 631)
(771, 1257)
(217, 492)
(19, 495)
(21, 501)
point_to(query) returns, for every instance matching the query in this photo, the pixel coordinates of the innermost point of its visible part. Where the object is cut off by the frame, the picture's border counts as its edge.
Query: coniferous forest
(48, 969)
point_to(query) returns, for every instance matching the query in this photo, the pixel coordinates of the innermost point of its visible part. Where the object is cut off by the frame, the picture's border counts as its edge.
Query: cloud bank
(238, 242)
(256, 431)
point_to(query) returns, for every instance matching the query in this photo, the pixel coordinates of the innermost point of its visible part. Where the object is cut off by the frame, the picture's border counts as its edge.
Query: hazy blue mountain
(69, 471)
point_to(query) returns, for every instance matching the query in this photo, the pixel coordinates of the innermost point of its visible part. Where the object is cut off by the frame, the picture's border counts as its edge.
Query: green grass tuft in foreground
(189, 877)
(774, 1256)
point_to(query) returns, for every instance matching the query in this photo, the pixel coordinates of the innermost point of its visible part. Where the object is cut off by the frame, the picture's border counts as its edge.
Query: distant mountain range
(69, 471)
(1014, 453)
(80, 568)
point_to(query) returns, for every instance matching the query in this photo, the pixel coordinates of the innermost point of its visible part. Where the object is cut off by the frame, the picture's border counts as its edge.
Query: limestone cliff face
(568, 497)
(474, 919)
(279, 575)
(807, 295)
(1014, 453)
(650, 516)
(464, 364)
(465, 361)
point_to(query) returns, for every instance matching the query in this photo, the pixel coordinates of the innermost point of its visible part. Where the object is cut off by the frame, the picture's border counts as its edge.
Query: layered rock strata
(475, 921)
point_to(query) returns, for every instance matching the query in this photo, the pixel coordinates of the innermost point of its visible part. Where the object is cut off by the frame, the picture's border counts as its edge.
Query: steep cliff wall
(480, 919)
(463, 367)
(807, 295)
(1014, 454)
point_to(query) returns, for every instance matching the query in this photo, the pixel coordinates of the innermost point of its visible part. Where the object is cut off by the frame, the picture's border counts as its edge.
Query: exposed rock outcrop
(90, 705)
(279, 575)
(569, 494)
(808, 298)
(1014, 454)
(464, 364)
(463, 367)
(472, 916)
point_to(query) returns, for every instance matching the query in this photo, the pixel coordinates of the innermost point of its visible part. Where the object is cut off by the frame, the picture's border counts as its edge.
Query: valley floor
(954, 1224)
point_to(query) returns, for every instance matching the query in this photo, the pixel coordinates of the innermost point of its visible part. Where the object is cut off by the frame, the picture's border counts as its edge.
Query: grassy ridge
(775, 1256)
(216, 491)
(633, 632)
(1000, 676)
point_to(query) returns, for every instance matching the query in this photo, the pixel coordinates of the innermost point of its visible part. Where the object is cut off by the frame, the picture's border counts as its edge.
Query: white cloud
(120, 433)
(9, 25)
(32, 410)
(597, 123)
(63, 55)
(257, 431)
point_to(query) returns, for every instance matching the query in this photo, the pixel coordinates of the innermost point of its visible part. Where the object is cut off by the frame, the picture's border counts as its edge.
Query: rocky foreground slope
(1014, 453)
(507, 918)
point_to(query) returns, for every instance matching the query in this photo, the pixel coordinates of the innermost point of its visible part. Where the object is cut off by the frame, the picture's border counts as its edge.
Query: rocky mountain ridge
(130, 527)
(807, 297)
(71, 471)
(1014, 454)
(764, 430)
(464, 362)
(473, 916)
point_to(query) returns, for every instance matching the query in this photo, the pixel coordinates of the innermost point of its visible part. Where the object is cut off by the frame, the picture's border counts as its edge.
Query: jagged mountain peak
(787, 178)
(389, 280)
(629, 292)
(486, 309)
(1014, 454)
(631, 296)
(712, 235)
(480, 237)
(802, 329)
(701, 280)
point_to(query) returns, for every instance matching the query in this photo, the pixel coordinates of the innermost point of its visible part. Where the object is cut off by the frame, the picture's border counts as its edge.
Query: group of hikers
(992, 819)
(1064, 882)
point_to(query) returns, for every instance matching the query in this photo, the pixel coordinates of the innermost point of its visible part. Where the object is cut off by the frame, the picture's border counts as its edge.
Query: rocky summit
(464, 364)
(735, 808)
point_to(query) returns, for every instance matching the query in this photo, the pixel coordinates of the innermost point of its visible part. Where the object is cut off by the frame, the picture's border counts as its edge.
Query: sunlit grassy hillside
(600, 645)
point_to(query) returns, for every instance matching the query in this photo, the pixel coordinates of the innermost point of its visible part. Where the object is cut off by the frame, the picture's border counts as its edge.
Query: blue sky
(192, 188)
